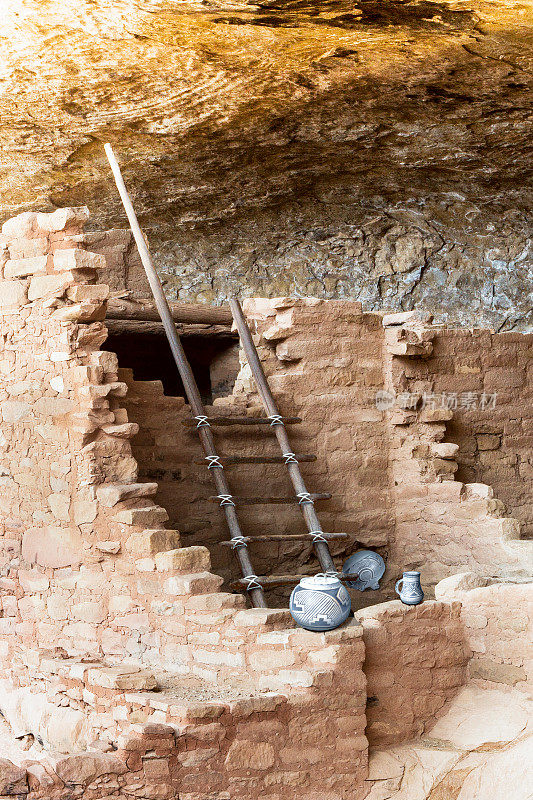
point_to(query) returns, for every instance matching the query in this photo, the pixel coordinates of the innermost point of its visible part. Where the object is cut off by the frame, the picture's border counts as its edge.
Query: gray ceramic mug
(411, 591)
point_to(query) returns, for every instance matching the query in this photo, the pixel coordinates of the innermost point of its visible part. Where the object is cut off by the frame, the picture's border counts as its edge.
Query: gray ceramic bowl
(368, 565)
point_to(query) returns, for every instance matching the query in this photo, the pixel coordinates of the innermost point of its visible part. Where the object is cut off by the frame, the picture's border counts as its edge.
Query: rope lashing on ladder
(276, 419)
(203, 421)
(304, 497)
(237, 541)
(290, 458)
(214, 461)
(318, 537)
(225, 499)
(252, 582)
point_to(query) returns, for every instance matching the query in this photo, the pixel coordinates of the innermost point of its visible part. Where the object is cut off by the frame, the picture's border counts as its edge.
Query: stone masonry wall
(242, 741)
(110, 628)
(46, 402)
(305, 359)
(328, 375)
(495, 442)
(498, 623)
(415, 661)
(107, 623)
(442, 524)
(244, 748)
(439, 526)
(88, 564)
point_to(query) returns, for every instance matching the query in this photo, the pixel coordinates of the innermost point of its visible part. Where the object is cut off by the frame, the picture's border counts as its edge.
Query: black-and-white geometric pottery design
(320, 603)
(369, 567)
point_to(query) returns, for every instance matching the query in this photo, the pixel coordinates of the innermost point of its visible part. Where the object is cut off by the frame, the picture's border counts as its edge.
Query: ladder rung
(192, 423)
(272, 581)
(290, 537)
(255, 501)
(229, 460)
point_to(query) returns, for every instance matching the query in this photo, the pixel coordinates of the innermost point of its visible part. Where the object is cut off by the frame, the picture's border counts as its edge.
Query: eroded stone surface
(502, 773)
(480, 716)
(12, 778)
(52, 547)
(374, 151)
(480, 748)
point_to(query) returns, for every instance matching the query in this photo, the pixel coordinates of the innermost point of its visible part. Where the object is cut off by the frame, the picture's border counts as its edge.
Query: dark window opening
(214, 360)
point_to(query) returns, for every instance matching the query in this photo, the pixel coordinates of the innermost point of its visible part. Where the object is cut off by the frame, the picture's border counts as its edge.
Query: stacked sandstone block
(307, 742)
(415, 661)
(326, 374)
(109, 627)
(495, 444)
(497, 619)
(442, 525)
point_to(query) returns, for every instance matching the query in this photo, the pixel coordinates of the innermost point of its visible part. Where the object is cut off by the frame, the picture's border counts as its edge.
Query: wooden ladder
(253, 584)
(305, 500)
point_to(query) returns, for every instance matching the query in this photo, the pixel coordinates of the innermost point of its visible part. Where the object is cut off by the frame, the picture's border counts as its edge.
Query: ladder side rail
(189, 383)
(311, 519)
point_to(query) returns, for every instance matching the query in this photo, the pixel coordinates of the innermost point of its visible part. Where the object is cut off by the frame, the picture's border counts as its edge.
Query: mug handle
(398, 591)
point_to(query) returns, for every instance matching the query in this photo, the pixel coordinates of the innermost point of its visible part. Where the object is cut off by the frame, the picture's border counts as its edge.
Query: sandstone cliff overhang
(379, 151)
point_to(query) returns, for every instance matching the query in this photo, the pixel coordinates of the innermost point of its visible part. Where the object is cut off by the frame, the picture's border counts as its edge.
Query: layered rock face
(376, 151)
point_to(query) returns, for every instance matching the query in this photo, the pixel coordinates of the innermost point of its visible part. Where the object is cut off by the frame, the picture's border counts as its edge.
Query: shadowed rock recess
(379, 151)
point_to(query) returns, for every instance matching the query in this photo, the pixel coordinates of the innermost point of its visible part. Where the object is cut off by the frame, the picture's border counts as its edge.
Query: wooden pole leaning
(304, 498)
(191, 389)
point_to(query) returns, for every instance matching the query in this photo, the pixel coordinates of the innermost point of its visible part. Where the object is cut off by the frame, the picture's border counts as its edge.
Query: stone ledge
(152, 541)
(195, 558)
(264, 617)
(121, 678)
(193, 584)
(111, 494)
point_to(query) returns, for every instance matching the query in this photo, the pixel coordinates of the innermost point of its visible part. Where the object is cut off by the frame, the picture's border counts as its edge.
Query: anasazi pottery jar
(320, 603)
(411, 591)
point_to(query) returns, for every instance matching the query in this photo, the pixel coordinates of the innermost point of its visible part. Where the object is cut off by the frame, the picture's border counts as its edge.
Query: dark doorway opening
(143, 348)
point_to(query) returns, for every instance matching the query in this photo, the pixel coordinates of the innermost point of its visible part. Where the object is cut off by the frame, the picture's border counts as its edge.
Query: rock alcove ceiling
(374, 150)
